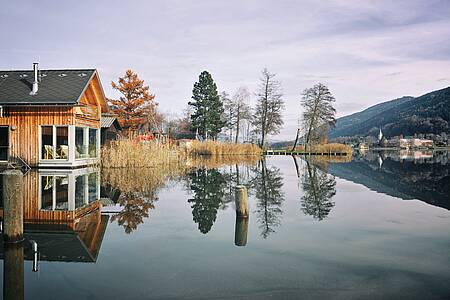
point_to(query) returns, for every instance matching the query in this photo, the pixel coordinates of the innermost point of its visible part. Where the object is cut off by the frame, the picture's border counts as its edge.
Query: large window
(86, 142)
(62, 142)
(93, 142)
(55, 142)
(47, 142)
(80, 143)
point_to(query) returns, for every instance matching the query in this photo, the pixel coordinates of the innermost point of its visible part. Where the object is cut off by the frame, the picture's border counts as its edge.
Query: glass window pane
(4, 142)
(80, 184)
(47, 142)
(62, 142)
(62, 192)
(93, 187)
(92, 142)
(81, 147)
(46, 192)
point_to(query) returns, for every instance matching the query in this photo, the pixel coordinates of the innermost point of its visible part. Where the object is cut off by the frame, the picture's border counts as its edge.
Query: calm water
(376, 227)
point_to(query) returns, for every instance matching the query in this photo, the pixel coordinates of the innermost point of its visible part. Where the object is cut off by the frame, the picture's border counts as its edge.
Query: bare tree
(318, 113)
(228, 112)
(267, 116)
(242, 110)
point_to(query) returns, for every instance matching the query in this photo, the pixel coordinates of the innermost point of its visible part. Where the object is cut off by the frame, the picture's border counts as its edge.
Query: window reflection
(47, 192)
(69, 191)
(62, 193)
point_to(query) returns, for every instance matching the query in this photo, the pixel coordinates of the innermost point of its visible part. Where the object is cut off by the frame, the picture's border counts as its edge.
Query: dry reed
(217, 148)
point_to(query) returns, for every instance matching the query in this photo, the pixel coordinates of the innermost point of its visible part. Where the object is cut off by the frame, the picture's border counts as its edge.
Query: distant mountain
(429, 113)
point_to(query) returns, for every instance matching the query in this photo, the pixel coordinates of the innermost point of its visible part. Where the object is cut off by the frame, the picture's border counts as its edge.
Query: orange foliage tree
(136, 105)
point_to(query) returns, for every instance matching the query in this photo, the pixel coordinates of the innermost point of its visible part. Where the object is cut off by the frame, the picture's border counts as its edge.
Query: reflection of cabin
(51, 117)
(57, 242)
(110, 128)
(61, 196)
(62, 213)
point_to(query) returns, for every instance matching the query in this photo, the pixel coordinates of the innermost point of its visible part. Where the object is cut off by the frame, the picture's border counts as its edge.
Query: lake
(376, 227)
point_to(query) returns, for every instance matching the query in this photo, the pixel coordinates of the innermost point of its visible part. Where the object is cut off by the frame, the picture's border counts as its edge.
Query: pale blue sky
(366, 51)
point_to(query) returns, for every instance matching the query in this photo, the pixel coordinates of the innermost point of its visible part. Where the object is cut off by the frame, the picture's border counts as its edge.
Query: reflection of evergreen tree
(135, 210)
(207, 187)
(267, 185)
(318, 188)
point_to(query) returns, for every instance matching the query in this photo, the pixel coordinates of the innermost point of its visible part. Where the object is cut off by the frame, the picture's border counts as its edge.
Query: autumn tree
(319, 113)
(137, 105)
(267, 117)
(207, 117)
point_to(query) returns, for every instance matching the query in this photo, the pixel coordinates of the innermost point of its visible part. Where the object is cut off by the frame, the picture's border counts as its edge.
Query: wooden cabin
(51, 118)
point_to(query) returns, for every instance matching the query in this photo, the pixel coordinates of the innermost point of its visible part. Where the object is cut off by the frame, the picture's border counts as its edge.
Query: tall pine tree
(207, 106)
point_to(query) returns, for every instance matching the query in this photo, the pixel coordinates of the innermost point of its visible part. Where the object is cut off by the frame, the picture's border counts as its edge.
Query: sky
(365, 51)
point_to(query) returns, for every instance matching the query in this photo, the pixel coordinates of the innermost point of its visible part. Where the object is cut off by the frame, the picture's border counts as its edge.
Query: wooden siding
(24, 140)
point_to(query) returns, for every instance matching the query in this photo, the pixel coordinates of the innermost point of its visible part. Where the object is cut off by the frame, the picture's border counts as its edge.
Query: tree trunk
(296, 139)
(238, 121)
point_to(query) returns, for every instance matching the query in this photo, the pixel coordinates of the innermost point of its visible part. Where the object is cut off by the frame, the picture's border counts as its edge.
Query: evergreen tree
(207, 117)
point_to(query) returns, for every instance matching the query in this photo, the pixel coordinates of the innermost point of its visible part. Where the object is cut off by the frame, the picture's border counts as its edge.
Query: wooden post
(13, 206)
(13, 271)
(241, 231)
(241, 201)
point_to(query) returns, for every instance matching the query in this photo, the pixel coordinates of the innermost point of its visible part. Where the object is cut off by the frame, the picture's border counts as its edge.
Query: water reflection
(208, 191)
(267, 184)
(422, 175)
(318, 191)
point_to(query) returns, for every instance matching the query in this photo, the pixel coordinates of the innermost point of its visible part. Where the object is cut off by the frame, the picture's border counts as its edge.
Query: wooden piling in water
(13, 272)
(12, 206)
(241, 201)
(241, 231)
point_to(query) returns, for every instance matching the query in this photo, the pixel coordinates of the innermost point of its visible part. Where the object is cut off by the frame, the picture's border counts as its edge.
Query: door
(4, 143)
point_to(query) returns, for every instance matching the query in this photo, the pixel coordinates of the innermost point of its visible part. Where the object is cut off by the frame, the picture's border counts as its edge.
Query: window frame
(54, 143)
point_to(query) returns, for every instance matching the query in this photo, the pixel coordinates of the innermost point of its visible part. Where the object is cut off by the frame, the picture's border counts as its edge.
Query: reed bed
(128, 153)
(194, 148)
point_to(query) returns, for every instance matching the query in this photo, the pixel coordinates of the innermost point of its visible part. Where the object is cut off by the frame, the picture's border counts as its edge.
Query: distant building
(415, 143)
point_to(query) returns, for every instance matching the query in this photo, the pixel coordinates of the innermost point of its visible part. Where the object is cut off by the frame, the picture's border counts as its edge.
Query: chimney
(36, 79)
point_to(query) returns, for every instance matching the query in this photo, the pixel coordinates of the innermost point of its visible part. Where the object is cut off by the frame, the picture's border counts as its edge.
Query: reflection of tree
(318, 190)
(207, 187)
(267, 184)
(135, 210)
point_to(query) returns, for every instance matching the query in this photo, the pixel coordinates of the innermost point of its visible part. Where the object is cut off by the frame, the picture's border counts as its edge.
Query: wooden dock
(290, 152)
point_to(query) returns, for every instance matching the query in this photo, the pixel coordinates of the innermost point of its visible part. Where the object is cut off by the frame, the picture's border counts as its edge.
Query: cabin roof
(56, 87)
